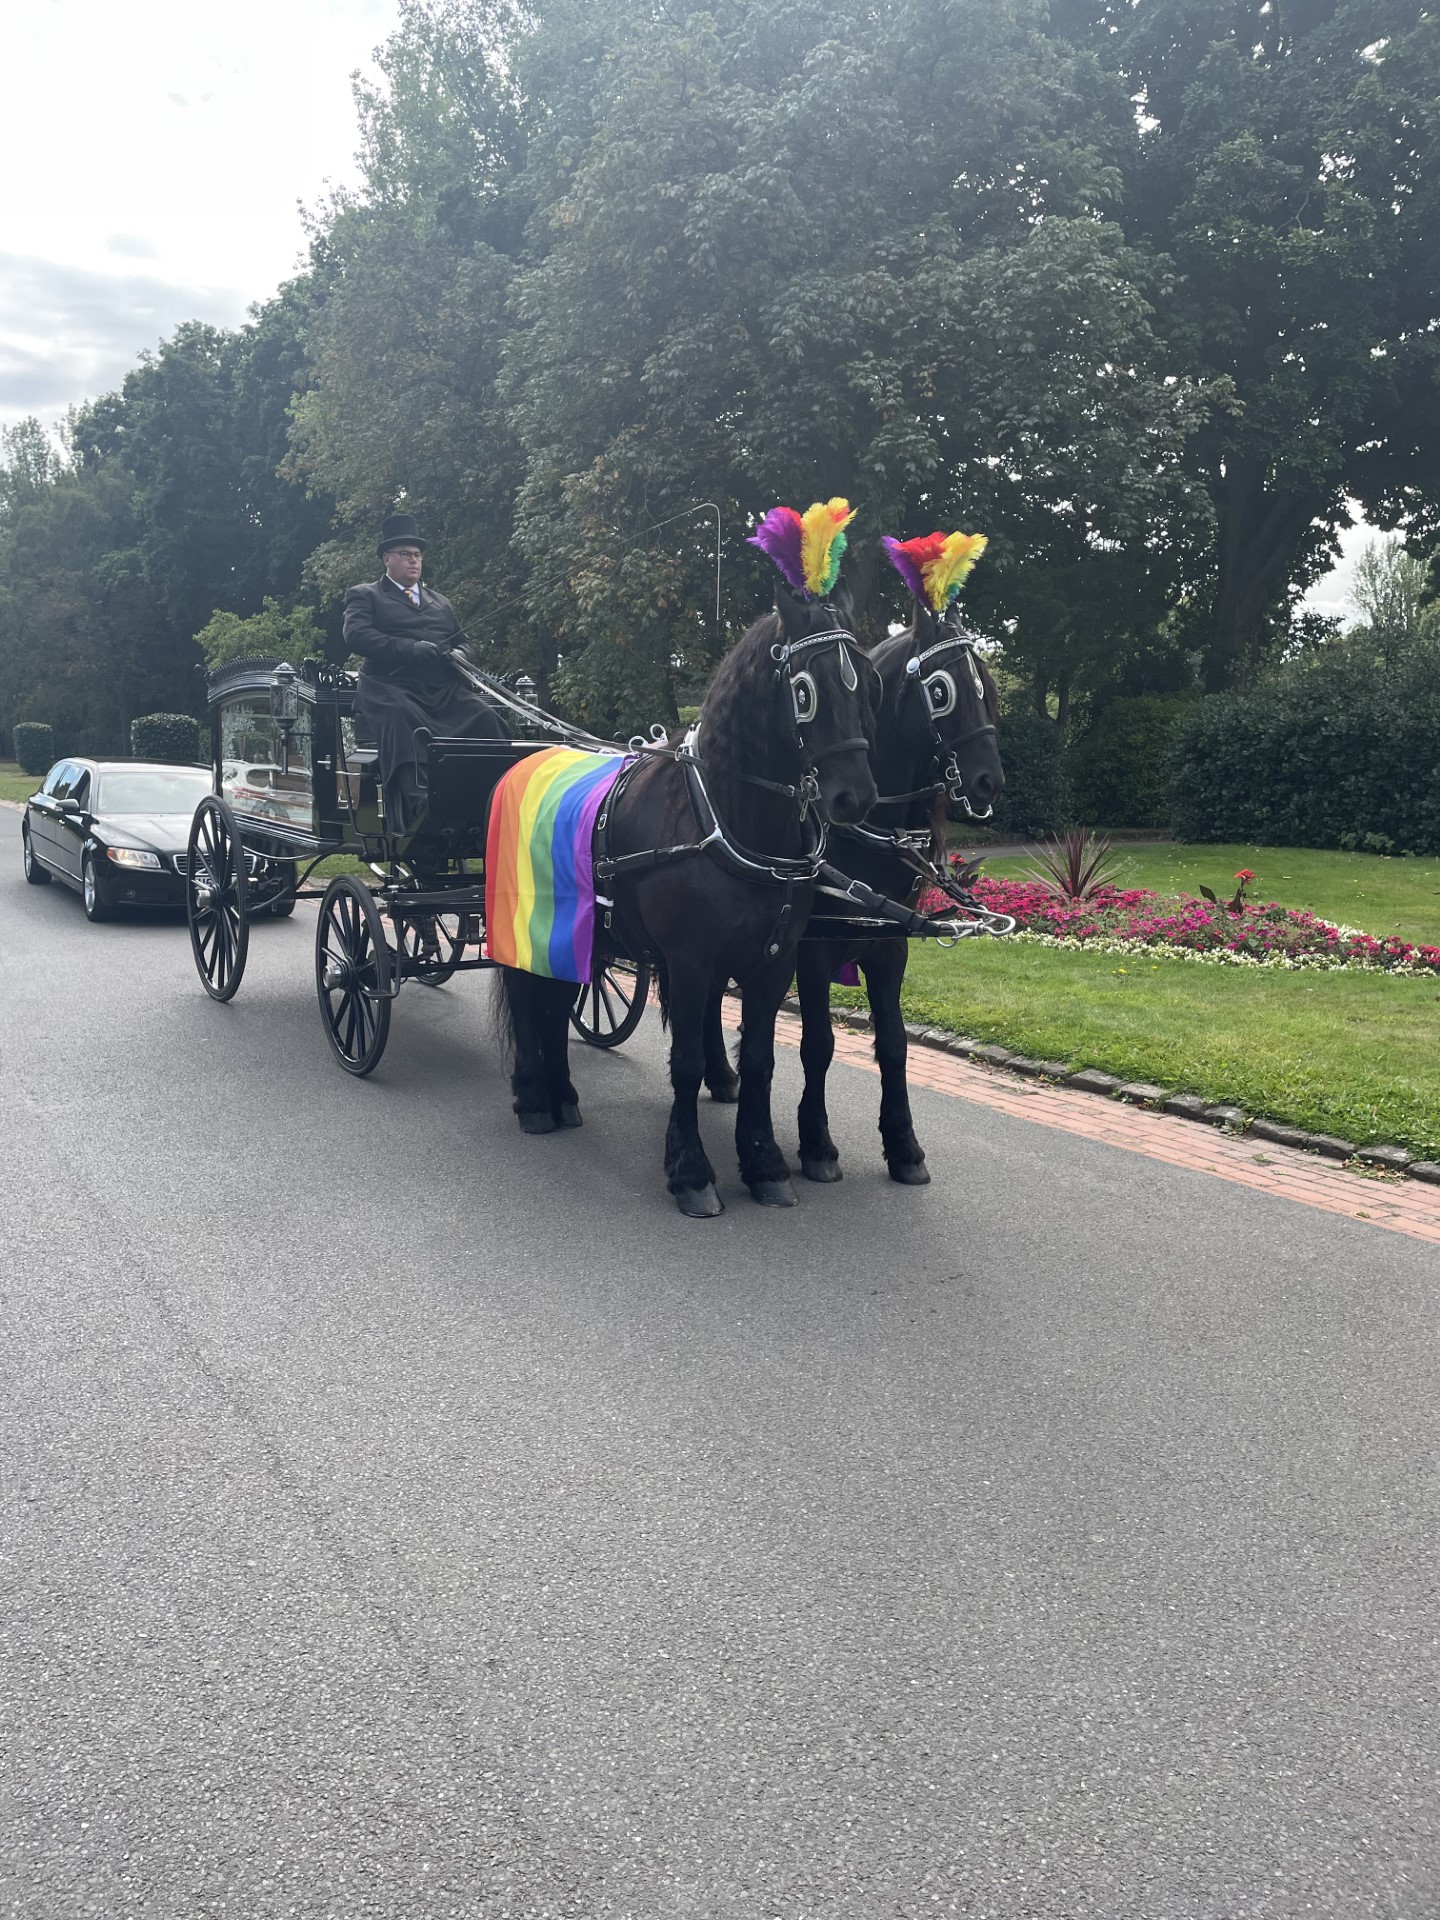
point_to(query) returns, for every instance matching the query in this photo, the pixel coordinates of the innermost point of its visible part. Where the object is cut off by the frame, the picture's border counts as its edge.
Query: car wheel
(97, 907)
(35, 873)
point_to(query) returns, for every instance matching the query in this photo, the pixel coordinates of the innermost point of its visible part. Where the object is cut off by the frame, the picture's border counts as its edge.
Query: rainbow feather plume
(781, 534)
(807, 548)
(935, 566)
(824, 543)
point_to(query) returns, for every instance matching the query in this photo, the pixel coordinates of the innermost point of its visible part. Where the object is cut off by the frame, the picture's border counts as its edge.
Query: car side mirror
(68, 806)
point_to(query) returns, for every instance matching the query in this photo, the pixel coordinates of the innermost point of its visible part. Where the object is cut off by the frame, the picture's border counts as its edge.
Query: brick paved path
(1404, 1206)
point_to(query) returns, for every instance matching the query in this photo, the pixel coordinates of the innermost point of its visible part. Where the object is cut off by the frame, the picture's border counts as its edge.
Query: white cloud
(130, 246)
(68, 332)
(207, 192)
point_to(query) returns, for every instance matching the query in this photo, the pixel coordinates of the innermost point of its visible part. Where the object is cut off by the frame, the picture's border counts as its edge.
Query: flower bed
(1244, 933)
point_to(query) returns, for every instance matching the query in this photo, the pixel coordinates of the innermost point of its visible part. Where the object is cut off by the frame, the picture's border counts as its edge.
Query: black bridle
(802, 703)
(790, 872)
(950, 780)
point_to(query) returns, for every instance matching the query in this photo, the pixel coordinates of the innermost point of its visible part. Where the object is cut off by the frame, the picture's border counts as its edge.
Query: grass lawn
(1354, 1054)
(15, 785)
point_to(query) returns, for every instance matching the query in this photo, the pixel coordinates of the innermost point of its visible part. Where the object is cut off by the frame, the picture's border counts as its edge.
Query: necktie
(414, 593)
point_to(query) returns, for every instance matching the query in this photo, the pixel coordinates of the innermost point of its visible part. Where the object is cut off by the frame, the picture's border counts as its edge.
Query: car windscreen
(175, 790)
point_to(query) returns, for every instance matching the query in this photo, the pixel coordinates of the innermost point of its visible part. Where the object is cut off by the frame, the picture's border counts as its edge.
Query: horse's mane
(739, 704)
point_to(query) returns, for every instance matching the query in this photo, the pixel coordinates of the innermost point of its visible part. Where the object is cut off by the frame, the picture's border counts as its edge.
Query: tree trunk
(1257, 541)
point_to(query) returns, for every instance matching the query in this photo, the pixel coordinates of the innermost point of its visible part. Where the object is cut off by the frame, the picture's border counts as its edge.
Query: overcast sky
(156, 157)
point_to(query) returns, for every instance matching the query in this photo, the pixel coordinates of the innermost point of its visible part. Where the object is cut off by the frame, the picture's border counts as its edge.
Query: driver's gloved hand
(463, 654)
(428, 650)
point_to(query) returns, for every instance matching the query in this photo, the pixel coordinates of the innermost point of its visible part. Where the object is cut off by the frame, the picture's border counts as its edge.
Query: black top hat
(399, 530)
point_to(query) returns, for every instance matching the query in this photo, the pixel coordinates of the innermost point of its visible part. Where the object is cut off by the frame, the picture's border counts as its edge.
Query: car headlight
(132, 857)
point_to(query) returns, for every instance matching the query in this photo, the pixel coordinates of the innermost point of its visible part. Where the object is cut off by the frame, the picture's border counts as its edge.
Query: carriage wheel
(430, 960)
(352, 974)
(609, 1007)
(216, 898)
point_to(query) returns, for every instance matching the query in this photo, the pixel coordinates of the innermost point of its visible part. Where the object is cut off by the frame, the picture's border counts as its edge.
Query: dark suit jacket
(382, 624)
(401, 692)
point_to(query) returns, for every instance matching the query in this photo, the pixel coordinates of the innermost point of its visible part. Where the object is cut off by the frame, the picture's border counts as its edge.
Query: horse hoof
(699, 1203)
(725, 1093)
(567, 1114)
(826, 1172)
(536, 1122)
(910, 1173)
(773, 1193)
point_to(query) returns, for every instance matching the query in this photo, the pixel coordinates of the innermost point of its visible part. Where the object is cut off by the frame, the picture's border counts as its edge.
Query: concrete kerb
(1185, 1106)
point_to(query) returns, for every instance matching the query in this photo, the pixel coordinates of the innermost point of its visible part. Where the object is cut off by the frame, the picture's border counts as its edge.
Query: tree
(200, 427)
(1391, 590)
(738, 302)
(81, 643)
(277, 632)
(409, 311)
(1287, 166)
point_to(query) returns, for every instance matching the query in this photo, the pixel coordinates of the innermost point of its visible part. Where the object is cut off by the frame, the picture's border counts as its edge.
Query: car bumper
(134, 887)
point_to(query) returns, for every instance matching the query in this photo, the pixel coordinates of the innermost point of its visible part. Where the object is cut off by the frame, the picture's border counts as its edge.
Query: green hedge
(1336, 752)
(1036, 799)
(1117, 767)
(164, 736)
(34, 746)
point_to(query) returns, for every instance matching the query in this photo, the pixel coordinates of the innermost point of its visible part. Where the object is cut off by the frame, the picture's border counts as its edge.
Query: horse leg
(884, 975)
(529, 1079)
(556, 998)
(688, 1171)
(720, 1077)
(762, 1164)
(819, 1156)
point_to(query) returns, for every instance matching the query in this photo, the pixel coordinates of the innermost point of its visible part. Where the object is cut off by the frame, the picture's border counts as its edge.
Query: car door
(44, 812)
(72, 827)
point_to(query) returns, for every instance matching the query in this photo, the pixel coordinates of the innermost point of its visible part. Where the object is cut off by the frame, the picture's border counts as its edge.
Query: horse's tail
(662, 982)
(502, 1020)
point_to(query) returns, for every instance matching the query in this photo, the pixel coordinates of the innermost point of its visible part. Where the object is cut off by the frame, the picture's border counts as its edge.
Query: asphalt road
(401, 1516)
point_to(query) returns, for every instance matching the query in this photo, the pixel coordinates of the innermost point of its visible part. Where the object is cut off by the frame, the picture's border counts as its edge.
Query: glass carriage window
(254, 776)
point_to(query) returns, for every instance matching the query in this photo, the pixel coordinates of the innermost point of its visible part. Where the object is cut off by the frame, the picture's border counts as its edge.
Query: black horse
(709, 851)
(934, 738)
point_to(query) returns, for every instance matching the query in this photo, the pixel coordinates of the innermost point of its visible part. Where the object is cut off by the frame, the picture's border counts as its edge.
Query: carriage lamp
(285, 708)
(525, 687)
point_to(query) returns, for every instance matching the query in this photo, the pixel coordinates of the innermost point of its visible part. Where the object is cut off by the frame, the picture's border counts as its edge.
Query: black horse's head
(945, 704)
(827, 696)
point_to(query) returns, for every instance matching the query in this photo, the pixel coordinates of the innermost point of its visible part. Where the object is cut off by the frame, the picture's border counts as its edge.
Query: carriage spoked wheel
(429, 947)
(352, 974)
(216, 898)
(610, 1006)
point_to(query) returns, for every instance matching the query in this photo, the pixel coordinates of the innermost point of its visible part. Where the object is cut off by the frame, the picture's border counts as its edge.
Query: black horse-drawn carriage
(294, 786)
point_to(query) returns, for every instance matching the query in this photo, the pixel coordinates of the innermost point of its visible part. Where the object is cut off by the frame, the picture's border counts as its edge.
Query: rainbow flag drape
(539, 883)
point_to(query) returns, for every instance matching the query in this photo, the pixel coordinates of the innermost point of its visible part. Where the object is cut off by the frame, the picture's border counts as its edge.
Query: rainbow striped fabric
(539, 884)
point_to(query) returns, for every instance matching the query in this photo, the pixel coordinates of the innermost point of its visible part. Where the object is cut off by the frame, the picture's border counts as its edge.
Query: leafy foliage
(1073, 866)
(34, 746)
(1145, 292)
(1333, 752)
(164, 736)
(1117, 767)
(1287, 166)
(1036, 799)
(291, 635)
